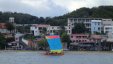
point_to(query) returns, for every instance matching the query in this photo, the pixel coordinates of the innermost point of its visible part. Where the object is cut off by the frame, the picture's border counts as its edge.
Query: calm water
(29, 57)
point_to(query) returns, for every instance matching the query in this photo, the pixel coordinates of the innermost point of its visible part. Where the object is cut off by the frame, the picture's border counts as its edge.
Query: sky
(49, 8)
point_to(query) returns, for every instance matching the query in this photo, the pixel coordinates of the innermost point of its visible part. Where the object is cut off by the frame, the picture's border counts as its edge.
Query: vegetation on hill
(2, 41)
(95, 12)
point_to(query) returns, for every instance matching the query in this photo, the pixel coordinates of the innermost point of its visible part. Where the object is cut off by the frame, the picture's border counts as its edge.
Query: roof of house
(2, 25)
(96, 36)
(41, 25)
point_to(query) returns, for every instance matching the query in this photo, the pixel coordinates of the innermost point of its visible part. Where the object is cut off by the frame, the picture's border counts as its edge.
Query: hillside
(95, 12)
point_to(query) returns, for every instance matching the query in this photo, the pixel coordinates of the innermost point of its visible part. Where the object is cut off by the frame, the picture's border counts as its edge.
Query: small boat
(55, 45)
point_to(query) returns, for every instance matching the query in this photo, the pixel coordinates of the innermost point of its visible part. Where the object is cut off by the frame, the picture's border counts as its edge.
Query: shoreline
(45, 51)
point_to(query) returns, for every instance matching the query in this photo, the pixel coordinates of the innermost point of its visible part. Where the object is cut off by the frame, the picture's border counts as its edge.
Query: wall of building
(86, 21)
(96, 26)
(108, 29)
(85, 38)
(35, 30)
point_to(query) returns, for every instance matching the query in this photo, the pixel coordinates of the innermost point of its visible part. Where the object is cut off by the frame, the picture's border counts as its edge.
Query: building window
(40, 31)
(95, 23)
(50, 30)
(35, 27)
(40, 28)
(76, 40)
(98, 23)
(99, 28)
(52, 27)
(79, 40)
(69, 31)
(82, 40)
(71, 20)
(94, 28)
(71, 36)
(58, 27)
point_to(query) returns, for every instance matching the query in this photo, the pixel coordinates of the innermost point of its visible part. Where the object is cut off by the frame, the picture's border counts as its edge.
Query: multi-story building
(86, 41)
(86, 21)
(108, 29)
(92, 24)
(96, 26)
(107, 26)
(37, 29)
(84, 38)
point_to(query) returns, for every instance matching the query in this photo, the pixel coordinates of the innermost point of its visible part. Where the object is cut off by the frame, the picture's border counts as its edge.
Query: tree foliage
(95, 12)
(66, 39)
(79, 28)
(42, 44)
(2, 42)
(10, 26)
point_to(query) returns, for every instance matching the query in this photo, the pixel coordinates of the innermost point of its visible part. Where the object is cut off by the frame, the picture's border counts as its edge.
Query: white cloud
(49, 7)
(76, 4)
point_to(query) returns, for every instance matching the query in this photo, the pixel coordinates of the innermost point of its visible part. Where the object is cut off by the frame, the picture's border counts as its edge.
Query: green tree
(2, 42)
(10, 27)
(62, 30)
(29, 36)
(42, 44)
(66, 39)
(79, 28)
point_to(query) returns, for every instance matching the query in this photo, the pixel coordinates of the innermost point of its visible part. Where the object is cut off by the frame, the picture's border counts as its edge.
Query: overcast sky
(49, 7)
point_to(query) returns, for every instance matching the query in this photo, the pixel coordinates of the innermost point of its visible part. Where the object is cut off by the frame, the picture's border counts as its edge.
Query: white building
(38, 29)
(92, 24)
(96, 26)
(88, 22)
(53, 29)
(107, 26)
(108, 29)
(11, 19)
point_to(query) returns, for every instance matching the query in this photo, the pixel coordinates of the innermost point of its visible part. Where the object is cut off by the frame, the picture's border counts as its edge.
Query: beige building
(107, 25)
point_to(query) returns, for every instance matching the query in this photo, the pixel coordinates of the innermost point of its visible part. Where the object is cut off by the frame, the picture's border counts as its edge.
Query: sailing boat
(55, 45)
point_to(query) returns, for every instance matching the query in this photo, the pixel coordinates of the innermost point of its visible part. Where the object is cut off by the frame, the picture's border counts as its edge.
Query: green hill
(95, 12)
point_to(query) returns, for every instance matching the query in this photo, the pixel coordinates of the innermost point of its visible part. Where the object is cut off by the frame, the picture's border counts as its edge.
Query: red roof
(2, 25)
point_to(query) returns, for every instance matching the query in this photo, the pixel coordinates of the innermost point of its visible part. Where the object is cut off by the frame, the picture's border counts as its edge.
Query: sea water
(70, 57)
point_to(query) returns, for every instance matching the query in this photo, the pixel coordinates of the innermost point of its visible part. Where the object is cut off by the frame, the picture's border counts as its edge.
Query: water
(29, 57)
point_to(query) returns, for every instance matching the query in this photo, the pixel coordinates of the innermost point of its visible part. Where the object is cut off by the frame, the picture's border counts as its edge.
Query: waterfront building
(86, 41)
(84, 38)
